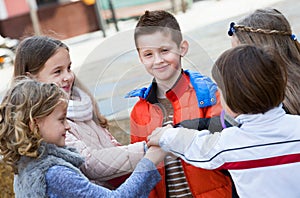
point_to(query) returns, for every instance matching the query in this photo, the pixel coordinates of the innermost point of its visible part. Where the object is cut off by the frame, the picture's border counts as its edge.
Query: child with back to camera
(262, 154)
(173, 96)
(33, 127)
(48, 60)
(269, 27)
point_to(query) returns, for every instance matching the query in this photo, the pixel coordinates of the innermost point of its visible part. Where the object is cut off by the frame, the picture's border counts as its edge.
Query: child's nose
(67, 126)
(68, 76)
(158, 58)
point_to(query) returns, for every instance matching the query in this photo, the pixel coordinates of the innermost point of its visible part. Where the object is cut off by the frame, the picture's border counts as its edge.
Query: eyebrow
(61, 66)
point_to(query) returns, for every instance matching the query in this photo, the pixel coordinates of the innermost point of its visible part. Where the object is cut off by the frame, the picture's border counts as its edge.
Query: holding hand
(155, 154)
(153, 139)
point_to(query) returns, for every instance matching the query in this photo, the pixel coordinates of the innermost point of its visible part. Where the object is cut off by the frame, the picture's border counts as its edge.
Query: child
(33, 129)
(48, 60)
(174, 95)
(262, 155)
(269, 27)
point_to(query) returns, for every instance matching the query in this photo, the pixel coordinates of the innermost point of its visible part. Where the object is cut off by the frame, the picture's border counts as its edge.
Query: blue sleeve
(65, 182)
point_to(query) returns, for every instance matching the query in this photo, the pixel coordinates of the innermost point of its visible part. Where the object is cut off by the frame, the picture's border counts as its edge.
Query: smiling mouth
(161, 68)
(66, 88)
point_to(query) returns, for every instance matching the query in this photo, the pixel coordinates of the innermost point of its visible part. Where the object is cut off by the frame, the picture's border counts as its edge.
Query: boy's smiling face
(161, 56)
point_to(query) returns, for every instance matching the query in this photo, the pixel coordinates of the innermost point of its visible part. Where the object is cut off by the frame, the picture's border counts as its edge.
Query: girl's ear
(184, 47)
(28, 74)
(235, 41)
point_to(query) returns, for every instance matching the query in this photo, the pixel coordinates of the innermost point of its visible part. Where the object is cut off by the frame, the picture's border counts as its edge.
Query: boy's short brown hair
(251, 79)
(158, 21)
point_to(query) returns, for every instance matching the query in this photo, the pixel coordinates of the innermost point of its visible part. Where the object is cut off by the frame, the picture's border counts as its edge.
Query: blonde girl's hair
(32, 54)
(26, 101)
(269, 27)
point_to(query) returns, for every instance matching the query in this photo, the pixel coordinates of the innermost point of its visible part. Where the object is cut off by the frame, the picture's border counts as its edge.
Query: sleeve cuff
(168, 136)
(145, 165)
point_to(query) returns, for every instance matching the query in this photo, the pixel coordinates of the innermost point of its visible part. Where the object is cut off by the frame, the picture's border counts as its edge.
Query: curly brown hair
(26, 101)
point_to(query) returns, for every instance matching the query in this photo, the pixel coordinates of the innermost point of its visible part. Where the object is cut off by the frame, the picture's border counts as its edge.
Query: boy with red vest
(174, 95)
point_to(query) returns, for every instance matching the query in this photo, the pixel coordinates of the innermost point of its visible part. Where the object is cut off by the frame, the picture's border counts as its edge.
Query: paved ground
(110, 67)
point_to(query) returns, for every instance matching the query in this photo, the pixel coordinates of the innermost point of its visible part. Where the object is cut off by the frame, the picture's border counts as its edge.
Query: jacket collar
(172, 94)
(204, 87)
(31, 179)
(261, 118)
(45, 150)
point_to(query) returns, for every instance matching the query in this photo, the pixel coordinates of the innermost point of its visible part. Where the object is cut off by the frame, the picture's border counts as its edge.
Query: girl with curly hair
(33, 127)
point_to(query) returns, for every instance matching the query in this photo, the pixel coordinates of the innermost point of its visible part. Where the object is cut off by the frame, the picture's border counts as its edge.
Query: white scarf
(80, 109)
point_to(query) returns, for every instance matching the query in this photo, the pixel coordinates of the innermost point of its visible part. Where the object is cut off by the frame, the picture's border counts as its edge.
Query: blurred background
(68, 18)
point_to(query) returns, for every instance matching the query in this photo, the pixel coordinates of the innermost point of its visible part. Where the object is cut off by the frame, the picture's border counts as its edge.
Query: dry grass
(6, 182)
(120, 130)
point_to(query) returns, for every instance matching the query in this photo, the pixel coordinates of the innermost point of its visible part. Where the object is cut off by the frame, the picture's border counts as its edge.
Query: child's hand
(153, 139)
(155, 154)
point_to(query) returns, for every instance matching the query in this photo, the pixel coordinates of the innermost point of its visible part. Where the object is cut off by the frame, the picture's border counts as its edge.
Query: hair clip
(231, 29)
(293, 37)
